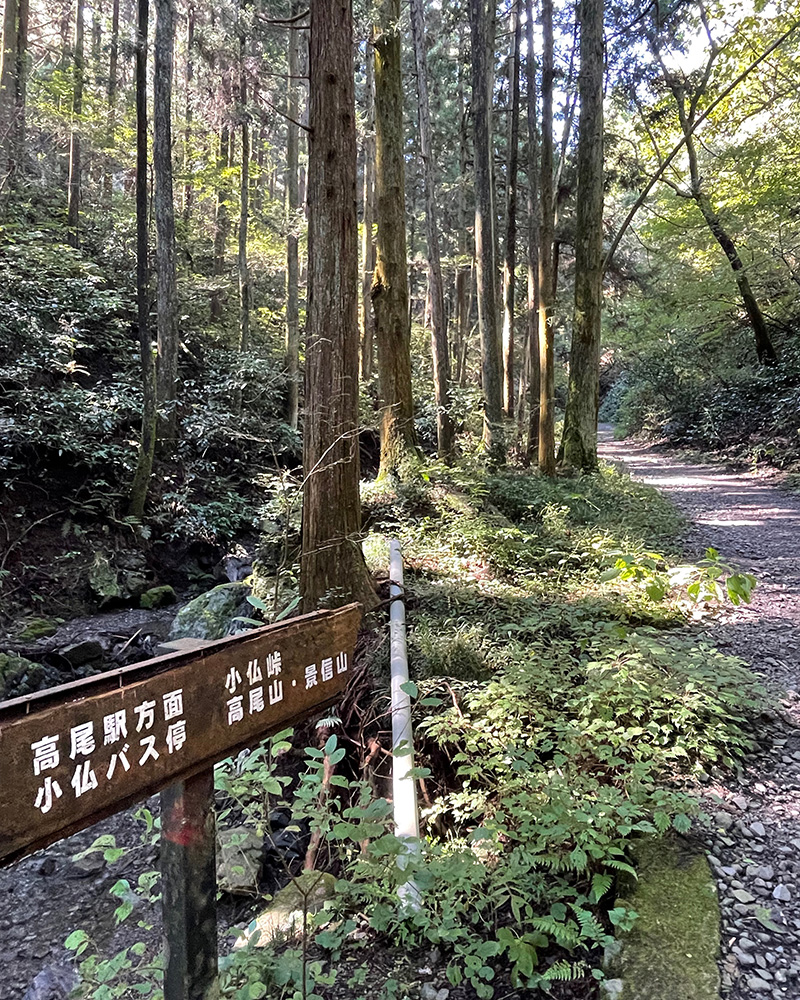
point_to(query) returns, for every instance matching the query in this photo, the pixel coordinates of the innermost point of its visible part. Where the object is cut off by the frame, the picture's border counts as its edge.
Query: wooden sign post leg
(189, 890)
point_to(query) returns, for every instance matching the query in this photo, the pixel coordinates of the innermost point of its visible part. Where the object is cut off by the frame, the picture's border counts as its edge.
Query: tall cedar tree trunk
(547, 434)
(113, 62)
(445, 432)
(221, 219)
(147, 443)
(534, 235)
(368, 235)
(579, 443)
(292, 242)
(244, 204)
(509, 257)
(13, 90)
(21, 94)
(493, 436)
(764, 347)
(188, 192)
(390, 284)
(332, 564)
(74, 182)
(8, 90)
(167, 300)
(464, 271)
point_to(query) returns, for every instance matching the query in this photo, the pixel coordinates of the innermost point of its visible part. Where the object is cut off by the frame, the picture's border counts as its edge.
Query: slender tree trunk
(244, 204)
(493, 436)
(465, 263)
(547, 439)
(368, 235)
(147, 443)
(292, 242)
(390, 284)
(74, 183)
(764, 348)
(20, 109)
(534, 241)
(222, 220)
(509, 259)
(188, 190)
(332, 565)
(167, 301)
(445, 432)
(8, 90)
(579, 444)
(113, 63)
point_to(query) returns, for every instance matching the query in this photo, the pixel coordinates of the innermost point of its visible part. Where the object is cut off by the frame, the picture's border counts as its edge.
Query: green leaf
(410, 688)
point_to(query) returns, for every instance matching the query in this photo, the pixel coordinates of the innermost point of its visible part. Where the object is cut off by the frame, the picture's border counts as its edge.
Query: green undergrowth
(562, 707)
(560, 713)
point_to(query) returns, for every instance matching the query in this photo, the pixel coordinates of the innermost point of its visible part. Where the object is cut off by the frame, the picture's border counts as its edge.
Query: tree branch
(682, 142)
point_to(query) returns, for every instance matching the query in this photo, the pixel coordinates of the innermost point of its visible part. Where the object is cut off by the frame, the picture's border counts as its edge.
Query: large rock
(211, 615)
(673, 946)
(240, 853)
(120, 577)
(283, 918)
(19, 676)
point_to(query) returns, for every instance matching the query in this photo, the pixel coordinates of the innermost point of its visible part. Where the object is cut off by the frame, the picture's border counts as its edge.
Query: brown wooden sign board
(74, 754)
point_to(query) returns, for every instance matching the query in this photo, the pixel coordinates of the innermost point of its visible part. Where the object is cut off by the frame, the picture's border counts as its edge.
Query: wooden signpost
(77, 753)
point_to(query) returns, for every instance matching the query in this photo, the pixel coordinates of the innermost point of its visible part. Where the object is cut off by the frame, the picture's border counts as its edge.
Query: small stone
(723, 820)
(744, 959)
(743, 896)
(428, 992)
(766, 872)
(781, 893)
(740, 802)
(92, 864)
(757, 829)
(746, 944)
(757, 985)
(48, 866)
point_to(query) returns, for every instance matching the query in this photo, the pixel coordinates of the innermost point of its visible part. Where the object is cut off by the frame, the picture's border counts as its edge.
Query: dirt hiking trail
(755, 849)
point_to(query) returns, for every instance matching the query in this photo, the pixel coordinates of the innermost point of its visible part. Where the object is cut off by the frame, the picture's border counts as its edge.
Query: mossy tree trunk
(8, 87)
(147, 441)
(332, 566)
(74, 182)
(531, 380)
(221, 218)
(445, 432)
(493, 436)
(167, 300)
(547, 436)
(579, 444)
(292, 343)
(367, 316)
(510, 249)
(399, 455)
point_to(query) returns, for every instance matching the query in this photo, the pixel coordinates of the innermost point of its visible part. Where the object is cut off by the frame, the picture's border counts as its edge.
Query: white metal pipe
(404, 787)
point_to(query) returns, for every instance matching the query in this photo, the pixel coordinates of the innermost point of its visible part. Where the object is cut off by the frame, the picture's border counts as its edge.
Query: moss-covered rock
(19, 676)
(673, 946)
(120, 577)
(283, 918)
(39, 628)
(240, 854)
(158, 597)
(210, 616)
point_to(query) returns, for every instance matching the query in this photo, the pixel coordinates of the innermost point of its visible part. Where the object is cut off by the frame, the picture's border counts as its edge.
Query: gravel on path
(755, 847)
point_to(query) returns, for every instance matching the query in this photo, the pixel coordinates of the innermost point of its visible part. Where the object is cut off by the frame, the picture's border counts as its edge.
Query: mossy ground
(671, 952)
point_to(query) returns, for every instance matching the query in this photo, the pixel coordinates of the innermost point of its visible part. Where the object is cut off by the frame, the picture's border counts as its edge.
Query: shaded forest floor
(755, 523)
